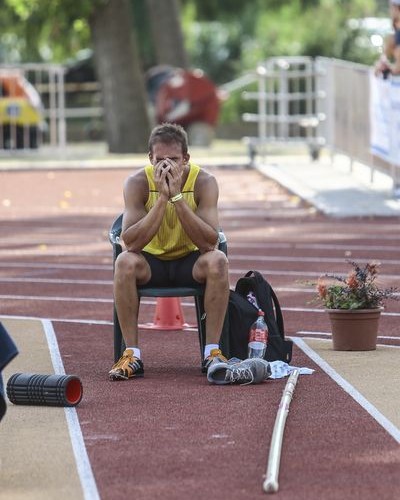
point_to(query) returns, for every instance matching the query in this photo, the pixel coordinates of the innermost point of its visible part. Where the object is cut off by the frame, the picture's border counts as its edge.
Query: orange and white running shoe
(128, 366)
(215, 356)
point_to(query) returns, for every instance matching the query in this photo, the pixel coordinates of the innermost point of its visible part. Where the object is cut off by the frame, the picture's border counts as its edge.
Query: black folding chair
(197, 292)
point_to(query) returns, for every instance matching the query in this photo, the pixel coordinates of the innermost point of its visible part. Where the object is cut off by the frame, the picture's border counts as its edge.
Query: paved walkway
(333, 188)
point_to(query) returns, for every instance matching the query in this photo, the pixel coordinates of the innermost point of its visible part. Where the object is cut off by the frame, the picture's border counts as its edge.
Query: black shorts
(176, 272)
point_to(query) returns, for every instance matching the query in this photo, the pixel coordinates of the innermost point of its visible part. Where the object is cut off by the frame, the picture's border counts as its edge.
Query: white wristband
(177, 197)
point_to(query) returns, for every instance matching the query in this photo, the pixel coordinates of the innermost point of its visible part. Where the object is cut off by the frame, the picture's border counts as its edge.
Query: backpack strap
(262, 282)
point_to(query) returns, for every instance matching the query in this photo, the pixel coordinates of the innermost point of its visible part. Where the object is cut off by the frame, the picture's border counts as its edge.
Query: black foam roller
(49, 390)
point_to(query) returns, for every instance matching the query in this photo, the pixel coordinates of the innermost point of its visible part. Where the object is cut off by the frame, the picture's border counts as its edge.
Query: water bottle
(258, 337)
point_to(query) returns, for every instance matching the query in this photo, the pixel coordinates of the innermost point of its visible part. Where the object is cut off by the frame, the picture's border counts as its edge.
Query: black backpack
(241, 314)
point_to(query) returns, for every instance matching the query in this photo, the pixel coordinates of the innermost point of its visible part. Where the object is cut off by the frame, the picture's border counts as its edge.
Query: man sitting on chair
(170, 231)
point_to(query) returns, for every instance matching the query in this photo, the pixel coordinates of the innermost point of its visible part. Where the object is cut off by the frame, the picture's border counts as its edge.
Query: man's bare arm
(201, 226)
(139, 226)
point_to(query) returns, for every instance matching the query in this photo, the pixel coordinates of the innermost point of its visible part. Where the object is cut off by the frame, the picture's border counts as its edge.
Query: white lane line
(47, 265)
(55, 299)
(352, 391)
(78, 321)
(314, 246)
(72, 299)
(233, 256)
(349, 247)
(78, 299)
(56, 281)
(319, 335)
(232, 271)
(84, 468)
(108, 323)
(60, 320)
(60, 281)
(283, 258)
(111, 301)
(110, 283)
(329, 334)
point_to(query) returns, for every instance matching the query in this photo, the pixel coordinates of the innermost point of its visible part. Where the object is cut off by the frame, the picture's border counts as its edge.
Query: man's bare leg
(212, 269)
(131, 269)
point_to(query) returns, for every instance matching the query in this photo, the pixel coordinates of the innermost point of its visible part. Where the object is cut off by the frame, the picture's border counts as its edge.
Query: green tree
(45, 30)
(121, 77)
(53, 29)
(167, 35)
(229, 37)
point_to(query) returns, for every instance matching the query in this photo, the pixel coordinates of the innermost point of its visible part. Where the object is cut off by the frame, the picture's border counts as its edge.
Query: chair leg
(119, 344)
(201, 323)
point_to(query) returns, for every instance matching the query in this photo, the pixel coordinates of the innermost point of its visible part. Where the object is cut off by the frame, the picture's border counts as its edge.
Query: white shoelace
(238, 374)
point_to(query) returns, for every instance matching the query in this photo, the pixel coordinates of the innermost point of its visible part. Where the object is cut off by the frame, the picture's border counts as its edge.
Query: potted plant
(354, 304)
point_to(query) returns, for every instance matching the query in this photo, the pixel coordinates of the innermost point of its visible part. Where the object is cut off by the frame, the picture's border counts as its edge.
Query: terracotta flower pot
(355, 329)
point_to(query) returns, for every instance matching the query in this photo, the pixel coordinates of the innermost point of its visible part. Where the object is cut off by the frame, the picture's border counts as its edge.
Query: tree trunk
(120, 74)
(167, 33)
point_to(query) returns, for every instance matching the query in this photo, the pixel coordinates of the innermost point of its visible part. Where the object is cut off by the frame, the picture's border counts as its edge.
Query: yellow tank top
(171, 241)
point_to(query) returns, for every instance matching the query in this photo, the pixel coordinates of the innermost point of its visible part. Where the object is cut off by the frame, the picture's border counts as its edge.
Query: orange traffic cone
(168, 315)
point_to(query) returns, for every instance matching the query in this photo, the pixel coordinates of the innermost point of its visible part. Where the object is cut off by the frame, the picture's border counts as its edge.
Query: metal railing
(321, 102)
(288, 109)
(16, 126)
(347, 107)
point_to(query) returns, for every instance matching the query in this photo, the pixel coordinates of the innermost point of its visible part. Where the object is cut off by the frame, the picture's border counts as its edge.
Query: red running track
(172, 435)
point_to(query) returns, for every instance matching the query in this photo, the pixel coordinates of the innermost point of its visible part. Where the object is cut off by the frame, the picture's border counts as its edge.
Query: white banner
(385, 118)
(395, 118)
